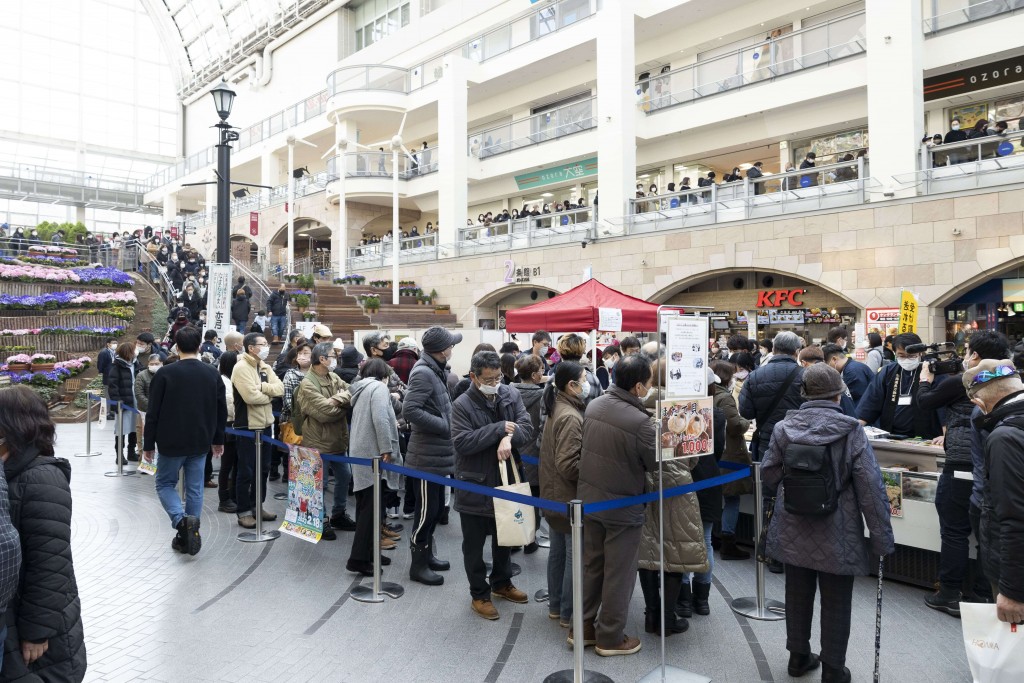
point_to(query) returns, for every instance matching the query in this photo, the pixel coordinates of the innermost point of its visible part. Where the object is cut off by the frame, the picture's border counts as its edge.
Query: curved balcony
(368, 86)
(370, 173)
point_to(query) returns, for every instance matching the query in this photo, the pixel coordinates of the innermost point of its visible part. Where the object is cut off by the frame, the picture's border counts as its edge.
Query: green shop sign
(557, 174)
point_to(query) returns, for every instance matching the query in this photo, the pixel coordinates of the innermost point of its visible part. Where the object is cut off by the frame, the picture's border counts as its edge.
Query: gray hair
(370, 341)
(651, 351)
(485, 360)
(786, 343)
(321, 351)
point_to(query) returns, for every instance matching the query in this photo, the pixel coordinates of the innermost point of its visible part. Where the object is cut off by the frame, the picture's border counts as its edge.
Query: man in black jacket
(760, 397)
(489, 426)
(808, 162)
(428, 410)
(187, 414)
(891, 400)
(996, 388)
(104, 361)
(277, 306)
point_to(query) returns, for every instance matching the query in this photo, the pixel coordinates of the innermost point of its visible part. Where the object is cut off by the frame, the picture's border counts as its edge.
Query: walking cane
(878, 616)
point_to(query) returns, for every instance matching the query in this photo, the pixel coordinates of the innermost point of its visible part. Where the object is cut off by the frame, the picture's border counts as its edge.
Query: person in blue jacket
(856, 375)
(890, 401)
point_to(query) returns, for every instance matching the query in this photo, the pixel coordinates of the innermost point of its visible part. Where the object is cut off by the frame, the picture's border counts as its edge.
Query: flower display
(14, 270)
(49, 378)
(67, 251)
(69, 299)
(81, 329)
(44, 358)
(19, 358)
(101, 275)
(75, 366)
(32, 273)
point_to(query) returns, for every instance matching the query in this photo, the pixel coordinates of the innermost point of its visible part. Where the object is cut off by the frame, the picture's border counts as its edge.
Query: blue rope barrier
(601, 506)
(125, 408)
(530, 460)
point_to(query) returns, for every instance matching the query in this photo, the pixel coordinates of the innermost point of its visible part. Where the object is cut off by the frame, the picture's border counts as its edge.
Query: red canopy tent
(578, 309)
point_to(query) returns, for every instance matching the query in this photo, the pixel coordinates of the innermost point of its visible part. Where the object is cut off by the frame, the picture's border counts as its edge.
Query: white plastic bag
(995, 649)
(516, 522)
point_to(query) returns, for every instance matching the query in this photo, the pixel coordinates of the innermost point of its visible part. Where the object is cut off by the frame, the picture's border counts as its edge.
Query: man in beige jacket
(254, 384)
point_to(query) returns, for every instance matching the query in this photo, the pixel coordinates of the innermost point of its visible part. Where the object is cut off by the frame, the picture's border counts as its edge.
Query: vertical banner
(859, 343)
(685, 426)
(908, 312)
(218, 299)
(304, 517)
(254, 223)
(751, 324)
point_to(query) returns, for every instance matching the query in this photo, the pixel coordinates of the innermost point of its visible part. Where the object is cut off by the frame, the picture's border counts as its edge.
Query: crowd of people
(993, 132)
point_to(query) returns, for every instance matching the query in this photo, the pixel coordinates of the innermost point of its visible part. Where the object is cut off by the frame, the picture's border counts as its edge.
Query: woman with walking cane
(824, 475)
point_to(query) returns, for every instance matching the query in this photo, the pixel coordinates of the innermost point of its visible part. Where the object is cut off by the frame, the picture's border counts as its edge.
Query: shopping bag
(516, 522)
(995, 649)
(288, 435)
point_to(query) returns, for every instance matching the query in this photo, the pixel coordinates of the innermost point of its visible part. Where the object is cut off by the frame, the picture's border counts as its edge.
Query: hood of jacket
(817, 423)
(19, 462)
(1010, 405)
(531, 393)
(361, 386)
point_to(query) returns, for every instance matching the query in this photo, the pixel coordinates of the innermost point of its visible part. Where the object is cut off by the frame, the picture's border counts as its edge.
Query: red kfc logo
(773, 298)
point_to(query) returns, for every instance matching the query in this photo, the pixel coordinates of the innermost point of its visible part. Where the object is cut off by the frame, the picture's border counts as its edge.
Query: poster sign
(557, 174)
(609, 319)
(686, 348)
(218, 301)
(786, 316)
(893, 481)
(306, 328)
(304, 517)
(254, 223)
(860, 336)
(686, 428)
(908, 312)
(883, 320)
(751, 317)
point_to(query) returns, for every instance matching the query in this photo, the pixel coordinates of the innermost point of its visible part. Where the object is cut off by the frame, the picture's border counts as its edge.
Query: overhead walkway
(72, 188)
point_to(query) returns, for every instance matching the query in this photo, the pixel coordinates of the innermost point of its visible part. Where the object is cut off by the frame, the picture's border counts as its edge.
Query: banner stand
(259, 535)
(119, 472)
(758, 607)
(666, 673)
(577, 674)
(380, 588)
(89, 452)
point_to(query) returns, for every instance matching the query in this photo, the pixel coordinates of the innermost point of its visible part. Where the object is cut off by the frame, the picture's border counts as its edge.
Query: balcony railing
(379, 254)
(980, 162)
(816, 46)
(959, 12)
(563, 227)
(380, 164)
(493, 42)
(568, 119)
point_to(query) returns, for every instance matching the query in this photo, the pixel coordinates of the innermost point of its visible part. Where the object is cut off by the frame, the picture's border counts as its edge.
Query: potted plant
(372, 304)
(309, 316)
(301, 302)
(442, 309)
(433, 295)
(358, 279)
(19, 362)
(307, 281)
(290, 277)
(41, 362)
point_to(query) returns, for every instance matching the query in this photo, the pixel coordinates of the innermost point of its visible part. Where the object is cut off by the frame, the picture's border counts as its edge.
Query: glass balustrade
(944, 14)
(571, 118)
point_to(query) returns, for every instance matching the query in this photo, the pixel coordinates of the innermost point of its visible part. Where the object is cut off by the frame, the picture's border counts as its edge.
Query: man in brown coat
(618, 450)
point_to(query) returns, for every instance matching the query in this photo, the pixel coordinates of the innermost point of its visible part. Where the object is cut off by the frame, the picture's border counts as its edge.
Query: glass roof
(218, 34)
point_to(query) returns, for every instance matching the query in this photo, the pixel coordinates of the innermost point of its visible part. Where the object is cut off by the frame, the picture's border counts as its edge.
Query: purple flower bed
(69, 299)
(50, 378)
(104, 276)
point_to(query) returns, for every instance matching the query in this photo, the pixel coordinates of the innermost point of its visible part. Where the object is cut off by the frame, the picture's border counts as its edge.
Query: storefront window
(828, 148)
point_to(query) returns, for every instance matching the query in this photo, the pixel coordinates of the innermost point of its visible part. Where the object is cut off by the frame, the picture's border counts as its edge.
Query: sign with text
(773, 298)
(304, 517)
(254, 223)
(558, 174)
(686, 428)
(883, 320)
(908, 312)
(973, 78)
(609, 319)
(218, 301)
(686, 351)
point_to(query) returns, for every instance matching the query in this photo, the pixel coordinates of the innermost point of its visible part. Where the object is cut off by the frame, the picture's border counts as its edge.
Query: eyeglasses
(988, 376)
(490, 382)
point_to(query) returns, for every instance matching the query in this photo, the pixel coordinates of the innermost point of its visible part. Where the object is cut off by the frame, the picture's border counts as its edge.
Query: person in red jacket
(406, 356)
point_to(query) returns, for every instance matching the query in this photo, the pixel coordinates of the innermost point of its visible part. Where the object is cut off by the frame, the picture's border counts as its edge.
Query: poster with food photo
(894, 491)
(686, 428)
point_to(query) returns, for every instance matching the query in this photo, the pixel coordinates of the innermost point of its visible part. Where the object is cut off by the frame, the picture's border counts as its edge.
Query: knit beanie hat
(821, 382)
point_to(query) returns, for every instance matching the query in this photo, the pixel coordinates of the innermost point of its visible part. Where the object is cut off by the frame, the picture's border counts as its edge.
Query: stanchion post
(380, 588)
(577, 674)
(119, 451)
(259, 535)
(758, 607)
(89, 452)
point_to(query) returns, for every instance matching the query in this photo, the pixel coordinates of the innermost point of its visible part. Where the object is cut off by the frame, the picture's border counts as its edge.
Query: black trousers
(952, 504)
(362, 540)
(228, 469)
(245, 479)
(975, 574)
(429, 504)
(475, 530)
(836, 604)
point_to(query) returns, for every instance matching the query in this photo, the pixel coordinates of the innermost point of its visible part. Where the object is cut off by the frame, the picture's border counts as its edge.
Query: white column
(616, 112)
(895, 90)
(170, 209)
(452, 162)
(268, 175)
(344, 132)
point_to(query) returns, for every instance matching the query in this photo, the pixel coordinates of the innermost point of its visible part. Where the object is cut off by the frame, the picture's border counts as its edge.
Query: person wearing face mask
(104, 360)
(606, 371)
(618, 450)
(428, 410)
(571, 347)
(489, 427)
(540, 346)
(277, 306)
(324, 400)
(995, 387)
(735, 451)
(145, 344)
(143, 380)
(837, 336)
(891, 400)
(121, 389)
(530, 386)
(856, 375)
(255, 386)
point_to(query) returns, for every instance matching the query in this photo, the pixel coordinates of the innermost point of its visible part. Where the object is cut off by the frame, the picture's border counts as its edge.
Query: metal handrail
(970, 12)
(575, 117)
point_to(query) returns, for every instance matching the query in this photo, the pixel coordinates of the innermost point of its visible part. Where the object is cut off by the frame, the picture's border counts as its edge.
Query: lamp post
(223, 99)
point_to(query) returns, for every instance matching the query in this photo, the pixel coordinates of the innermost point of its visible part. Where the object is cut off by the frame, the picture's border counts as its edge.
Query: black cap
(146, 337)
(437, 339)
(350, 357)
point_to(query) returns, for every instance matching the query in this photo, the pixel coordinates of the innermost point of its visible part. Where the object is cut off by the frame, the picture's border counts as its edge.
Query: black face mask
(389, 353)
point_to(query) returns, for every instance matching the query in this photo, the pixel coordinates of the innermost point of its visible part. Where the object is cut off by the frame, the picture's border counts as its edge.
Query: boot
(700, 598)
(799, 664)
(729, 549)
(132, 443)
(831, 674)
(684, 605)
(945, 600)
(443, 518)
(434, 563)
(420, 570)
(117, 449)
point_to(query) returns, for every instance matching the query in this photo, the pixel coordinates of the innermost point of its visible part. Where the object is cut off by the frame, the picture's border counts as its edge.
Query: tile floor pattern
(280, 611)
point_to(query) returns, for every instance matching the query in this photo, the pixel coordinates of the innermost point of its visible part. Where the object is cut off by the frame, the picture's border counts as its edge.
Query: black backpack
(809, 480)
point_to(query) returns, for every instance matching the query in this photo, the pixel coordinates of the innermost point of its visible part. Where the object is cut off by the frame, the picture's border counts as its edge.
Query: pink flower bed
(31, 273)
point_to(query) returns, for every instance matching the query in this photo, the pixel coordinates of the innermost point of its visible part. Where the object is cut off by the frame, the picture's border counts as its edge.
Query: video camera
(941, 357)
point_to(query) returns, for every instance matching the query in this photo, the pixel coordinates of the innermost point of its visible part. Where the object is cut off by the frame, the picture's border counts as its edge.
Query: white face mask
(610, 363)
(650, 392)
(154, 368)
(955, 126)
(544, 351)
(332, 364)
(264, 352)
(909, 364)
(488, 390)
(741, 374)
(112, 347)
(584, 388)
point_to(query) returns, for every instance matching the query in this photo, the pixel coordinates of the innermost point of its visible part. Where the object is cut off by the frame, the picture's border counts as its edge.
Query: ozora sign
(773, 298)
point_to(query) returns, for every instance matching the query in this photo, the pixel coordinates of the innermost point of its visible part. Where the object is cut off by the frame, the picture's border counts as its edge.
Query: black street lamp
(223, 99)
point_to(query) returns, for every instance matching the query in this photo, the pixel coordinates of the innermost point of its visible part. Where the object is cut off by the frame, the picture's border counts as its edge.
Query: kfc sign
(773, 298)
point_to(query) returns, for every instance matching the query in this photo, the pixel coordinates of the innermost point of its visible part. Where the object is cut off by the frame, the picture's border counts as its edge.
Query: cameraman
(891, 399)
(953, 496)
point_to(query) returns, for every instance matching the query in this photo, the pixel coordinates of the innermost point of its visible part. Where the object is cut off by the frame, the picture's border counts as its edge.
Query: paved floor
(281, 611)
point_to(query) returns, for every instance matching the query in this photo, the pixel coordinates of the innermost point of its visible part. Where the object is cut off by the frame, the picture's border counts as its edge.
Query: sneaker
(408, 515)
(328, 533)
(364, 568)
(511, 593)
(589, 635)
(228, 506)
(395, 527)
(945, 601)
(628, 646)
(393, 513)
(247, 522)
(268, 516)
(553, 615)
(193, 541)
(343, 522)
(486, 609)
